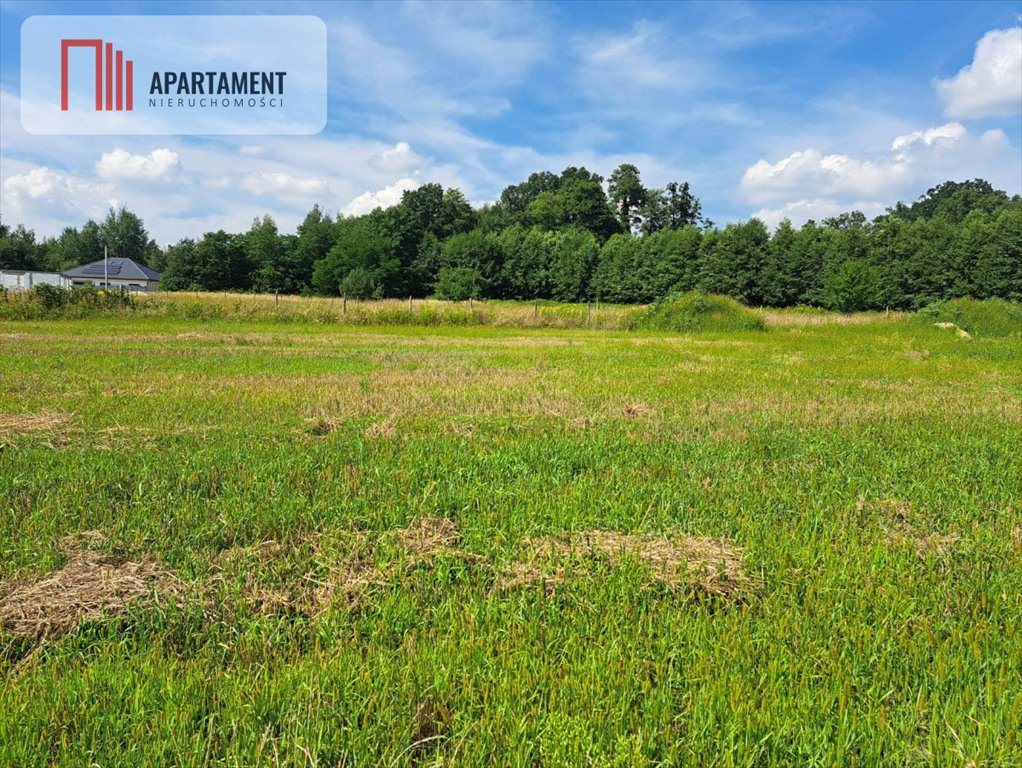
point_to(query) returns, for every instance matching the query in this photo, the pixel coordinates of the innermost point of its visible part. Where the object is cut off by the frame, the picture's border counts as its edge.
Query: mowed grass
(344, 514)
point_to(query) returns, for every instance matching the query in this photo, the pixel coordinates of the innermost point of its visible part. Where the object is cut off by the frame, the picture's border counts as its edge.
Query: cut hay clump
(907, 526)
(22, 423)
(53, 428)
(91, 587)
(426, 537)
(924, 544)
(636, 409)
(321, 426)
(713, 566)
(275, 579)
(385, 428)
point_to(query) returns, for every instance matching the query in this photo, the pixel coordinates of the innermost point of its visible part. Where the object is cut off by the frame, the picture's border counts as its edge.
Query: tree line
(570, 237)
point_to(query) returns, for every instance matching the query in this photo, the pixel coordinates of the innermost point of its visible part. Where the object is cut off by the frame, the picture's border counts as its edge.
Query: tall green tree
(732, 261)
(673, 207)
(953, 201)
(364, 246)
(125, 236)
(574, 254)
(264, 249)
(627, 195)
(18, 248)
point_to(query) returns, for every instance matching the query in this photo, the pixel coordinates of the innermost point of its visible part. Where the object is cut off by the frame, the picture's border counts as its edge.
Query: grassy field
(247, 542)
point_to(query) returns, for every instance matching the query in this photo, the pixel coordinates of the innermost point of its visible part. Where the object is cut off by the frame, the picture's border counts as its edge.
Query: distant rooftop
(123, 269)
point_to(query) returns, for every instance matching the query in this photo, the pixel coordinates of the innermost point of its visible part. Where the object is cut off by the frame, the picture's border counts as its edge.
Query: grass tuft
(696, 311)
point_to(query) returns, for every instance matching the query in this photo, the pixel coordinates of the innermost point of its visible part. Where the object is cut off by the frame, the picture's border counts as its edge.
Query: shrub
(854, 287)
(49, 301)
(359, 284)
(990, 317)
(697, 311)
(458, 283)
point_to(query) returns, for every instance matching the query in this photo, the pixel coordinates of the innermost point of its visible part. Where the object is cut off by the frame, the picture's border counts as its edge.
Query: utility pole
(106, 269)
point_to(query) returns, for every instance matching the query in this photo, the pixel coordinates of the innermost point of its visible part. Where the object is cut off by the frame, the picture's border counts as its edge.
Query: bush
(697, 311)
(49, 301)
(990, 317)
(855, 287)
(359, 284)
(458, 283)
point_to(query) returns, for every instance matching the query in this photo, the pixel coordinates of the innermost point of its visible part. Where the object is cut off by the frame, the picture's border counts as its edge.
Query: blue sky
(769, 109)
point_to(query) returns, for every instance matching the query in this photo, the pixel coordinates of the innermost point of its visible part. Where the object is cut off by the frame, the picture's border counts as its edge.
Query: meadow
(253, 539)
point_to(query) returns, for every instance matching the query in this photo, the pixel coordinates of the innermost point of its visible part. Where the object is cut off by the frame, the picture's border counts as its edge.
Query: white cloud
(284, 185)
(398, 160)
(383, 198)
(991, 85)
(812, 184)
(811, 171)
(37, 183)
(121, 165)
(251, 149)
(41, 192)
(950, 132)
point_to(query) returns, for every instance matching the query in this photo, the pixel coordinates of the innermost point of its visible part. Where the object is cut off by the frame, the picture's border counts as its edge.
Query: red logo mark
(121, 95)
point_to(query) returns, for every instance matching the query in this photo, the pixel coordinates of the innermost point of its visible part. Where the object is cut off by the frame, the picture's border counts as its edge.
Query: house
(24, 279)
(113, 273)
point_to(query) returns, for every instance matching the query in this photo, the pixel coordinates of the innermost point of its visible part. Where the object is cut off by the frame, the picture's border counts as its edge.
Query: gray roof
(123, 269)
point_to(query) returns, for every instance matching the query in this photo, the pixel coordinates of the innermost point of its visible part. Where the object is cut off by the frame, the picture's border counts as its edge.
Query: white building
(23, 279)
(113, 273)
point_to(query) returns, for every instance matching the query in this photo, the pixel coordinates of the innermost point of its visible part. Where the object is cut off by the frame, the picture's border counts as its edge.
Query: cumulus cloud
(399, 159)
(383, 198)
(37, 183)
(121, 165)
(284, 185)
(991, 86)
(44, 191)
(812, 184)
(810, 170)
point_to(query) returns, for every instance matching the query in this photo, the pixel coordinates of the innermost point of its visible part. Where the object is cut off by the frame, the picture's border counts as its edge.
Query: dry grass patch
(23, 423)
(636, 409)
(781, 318)
(426, 537)
(907, 526)
(321, 426)
(91, 587)
(275, 577)
(713, 566)
(461, 430)
(385, 428)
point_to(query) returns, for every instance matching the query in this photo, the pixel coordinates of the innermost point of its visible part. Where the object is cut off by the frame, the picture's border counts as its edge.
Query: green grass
(867, 471)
